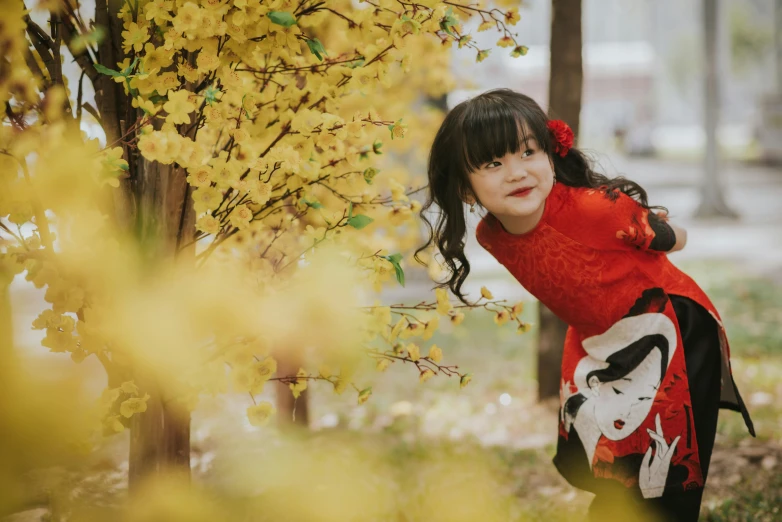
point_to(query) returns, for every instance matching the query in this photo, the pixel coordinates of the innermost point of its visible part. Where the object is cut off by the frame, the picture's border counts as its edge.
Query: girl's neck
(520, 225)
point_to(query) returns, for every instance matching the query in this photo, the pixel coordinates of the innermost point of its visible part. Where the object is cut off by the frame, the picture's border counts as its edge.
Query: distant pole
(778, 43)
(566, 78)
(712, 202)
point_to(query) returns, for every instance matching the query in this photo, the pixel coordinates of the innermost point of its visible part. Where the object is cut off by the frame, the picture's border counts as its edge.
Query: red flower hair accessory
(563, 136)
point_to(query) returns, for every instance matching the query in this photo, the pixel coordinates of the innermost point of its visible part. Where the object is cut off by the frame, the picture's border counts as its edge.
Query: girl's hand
(654, 474)
(662, 214)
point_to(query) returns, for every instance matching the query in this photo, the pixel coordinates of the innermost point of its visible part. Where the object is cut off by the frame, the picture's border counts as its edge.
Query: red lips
(619, 424)
(521, 191)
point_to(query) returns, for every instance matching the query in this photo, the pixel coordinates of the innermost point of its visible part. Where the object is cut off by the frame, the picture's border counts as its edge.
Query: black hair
(475, 132)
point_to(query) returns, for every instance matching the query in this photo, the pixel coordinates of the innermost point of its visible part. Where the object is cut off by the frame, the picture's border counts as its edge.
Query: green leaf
(95, 37)
(316, 48)
(350, 210)
(210, 94)
(394, 260)
(156, 98)
(356, 63)
(369, 174)
(448, 21)
(129, 69)
(282, 18)
(313, 204)
(105, 70)
(360, 221)
(376, 146)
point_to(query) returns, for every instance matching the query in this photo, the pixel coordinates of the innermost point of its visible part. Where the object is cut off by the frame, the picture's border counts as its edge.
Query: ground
(431, 451)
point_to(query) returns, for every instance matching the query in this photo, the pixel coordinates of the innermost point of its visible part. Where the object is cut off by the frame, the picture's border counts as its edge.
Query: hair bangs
(496, 126)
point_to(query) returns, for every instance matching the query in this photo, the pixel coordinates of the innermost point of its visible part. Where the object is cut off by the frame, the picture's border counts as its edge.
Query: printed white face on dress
(623, 404)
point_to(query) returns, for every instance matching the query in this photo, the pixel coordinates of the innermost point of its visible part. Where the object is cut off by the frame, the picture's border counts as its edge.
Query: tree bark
(160, 436)
(712, 202)
(566, 75)
(565, 85)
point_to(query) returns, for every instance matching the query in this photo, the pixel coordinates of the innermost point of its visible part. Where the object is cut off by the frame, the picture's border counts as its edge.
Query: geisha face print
(620, 375)
(622, 405)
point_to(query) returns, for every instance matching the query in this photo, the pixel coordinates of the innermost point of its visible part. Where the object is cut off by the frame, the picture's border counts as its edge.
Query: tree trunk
(712, 199)
(160, 436)
(566, 75)
(565, 86)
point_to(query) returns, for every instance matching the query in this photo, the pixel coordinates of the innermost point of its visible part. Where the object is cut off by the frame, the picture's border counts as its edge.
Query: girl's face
(622, 405)
(514, 187)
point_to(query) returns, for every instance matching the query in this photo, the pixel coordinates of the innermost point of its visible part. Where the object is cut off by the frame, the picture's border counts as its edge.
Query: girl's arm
(679, 234)
(681, 238)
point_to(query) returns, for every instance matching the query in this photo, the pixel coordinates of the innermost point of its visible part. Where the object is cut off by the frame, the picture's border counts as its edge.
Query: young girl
(646, 365)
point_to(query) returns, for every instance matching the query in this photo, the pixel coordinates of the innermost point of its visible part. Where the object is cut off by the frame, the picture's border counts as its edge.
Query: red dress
(626, 414)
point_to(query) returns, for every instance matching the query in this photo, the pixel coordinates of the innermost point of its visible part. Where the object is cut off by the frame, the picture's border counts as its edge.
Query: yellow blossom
(188, 18)
(208, 224)
(363, 395)
(397, 329)
(241, 216)
(465, 380)
(435, 353)
(113, 424)
(206, 198)
(158, 11)
(413, 351)
(523, 328)
(259, 414)
(178, 107)
(340, 385)
(430, 328)
(129, 387)
(457, 318)
(506, 41)
(485, 293)
(382, 364)
(133, 405)
(425, 375)
(200, 176)
(512, 16)
(517, 309)
(502, 317)
(134, 37)
(443, 303)
(300, 385)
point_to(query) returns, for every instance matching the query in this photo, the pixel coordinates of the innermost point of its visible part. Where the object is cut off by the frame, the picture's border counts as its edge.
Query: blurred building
(643, 71)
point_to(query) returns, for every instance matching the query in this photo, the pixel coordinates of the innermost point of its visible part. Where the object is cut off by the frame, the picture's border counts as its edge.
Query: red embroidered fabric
(589, 261)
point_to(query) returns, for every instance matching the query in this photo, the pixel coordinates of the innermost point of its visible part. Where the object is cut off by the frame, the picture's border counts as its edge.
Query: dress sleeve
(620, 221)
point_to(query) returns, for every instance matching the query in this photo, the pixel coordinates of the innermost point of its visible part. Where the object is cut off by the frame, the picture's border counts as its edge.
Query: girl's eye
(528, 152)
(644, 398)
(617, 391)
(492, 163)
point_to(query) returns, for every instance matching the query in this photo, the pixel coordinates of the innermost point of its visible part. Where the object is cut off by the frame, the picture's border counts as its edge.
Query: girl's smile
(515, 186)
